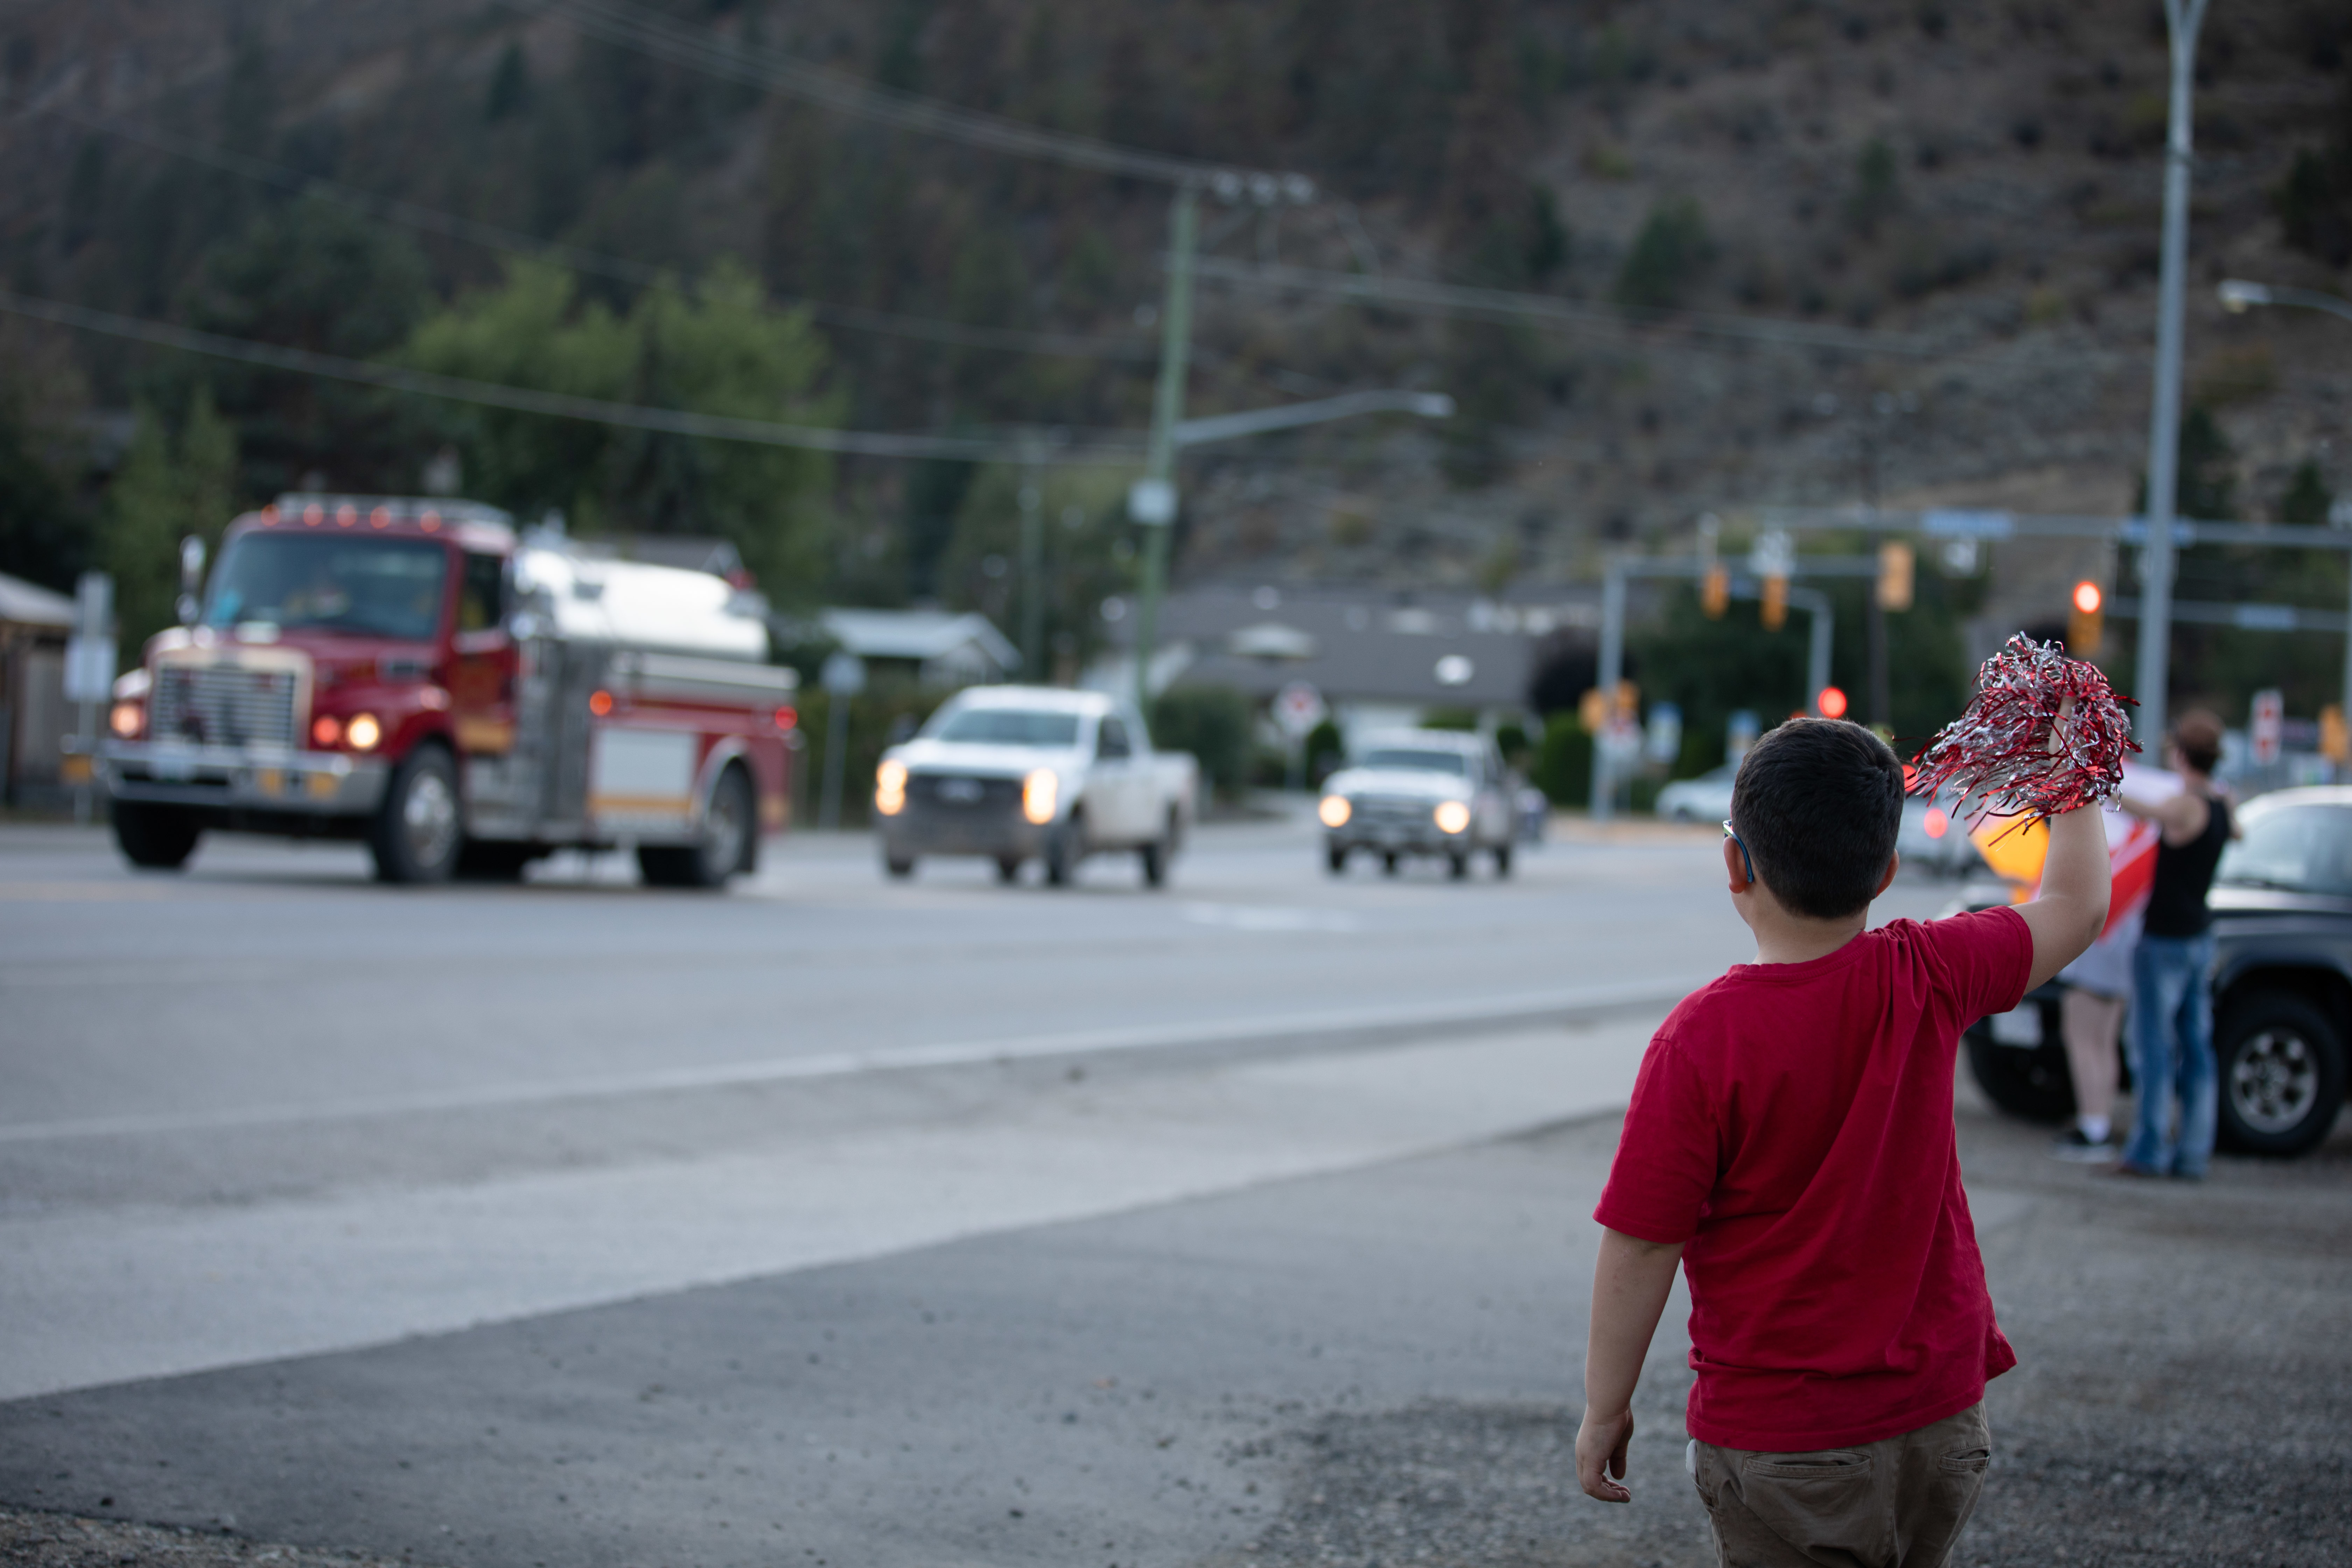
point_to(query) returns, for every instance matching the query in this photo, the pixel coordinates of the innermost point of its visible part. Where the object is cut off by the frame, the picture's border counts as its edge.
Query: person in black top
(2172, 969)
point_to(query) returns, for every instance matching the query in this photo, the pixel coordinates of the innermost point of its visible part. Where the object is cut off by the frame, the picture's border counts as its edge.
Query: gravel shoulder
(2179, 1401)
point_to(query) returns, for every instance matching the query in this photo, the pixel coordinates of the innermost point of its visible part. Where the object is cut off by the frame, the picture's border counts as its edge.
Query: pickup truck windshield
(2300, 848)
(371, 587)
(1453, 762)
(1009, 727)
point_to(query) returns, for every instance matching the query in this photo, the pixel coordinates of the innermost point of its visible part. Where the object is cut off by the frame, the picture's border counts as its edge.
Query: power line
(701, 49)
(409, 215)
(1115, 451)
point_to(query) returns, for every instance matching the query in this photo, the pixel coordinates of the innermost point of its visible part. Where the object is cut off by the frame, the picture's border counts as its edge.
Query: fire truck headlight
(890, 788)
(362, 731)
(1452, 816)
(1335, 811)
(127, 719)
(1039, 791)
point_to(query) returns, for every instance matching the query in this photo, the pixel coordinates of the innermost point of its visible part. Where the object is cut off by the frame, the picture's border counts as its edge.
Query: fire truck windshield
(369, 587)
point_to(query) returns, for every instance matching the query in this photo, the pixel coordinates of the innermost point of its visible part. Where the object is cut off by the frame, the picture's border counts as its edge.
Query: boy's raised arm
(2072, 907)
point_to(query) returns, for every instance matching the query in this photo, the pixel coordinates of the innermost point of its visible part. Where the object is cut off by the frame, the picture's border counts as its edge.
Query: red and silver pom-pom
(1998, 752)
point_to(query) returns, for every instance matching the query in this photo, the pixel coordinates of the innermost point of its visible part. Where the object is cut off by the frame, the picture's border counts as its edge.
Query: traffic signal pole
(2182, 17)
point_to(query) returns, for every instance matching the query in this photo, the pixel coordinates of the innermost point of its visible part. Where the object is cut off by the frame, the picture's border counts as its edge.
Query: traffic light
(2335, 738)
(2087, 619)
(1830, 702)
(1897, 566)
(1715, 591)
(1776, 603)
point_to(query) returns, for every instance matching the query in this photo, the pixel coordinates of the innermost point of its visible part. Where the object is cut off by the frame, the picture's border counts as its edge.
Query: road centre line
(1345, 1026)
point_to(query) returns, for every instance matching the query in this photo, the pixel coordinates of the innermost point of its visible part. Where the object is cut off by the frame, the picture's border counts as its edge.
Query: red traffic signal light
(2087, 597)
(1830, 703)
(2087, 619)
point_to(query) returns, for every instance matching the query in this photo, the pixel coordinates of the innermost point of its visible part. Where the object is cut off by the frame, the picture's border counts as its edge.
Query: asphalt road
(842, 1222)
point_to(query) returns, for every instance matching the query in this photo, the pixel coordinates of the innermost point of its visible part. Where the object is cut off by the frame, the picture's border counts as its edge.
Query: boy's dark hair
(2198, 733)
(1818, 801)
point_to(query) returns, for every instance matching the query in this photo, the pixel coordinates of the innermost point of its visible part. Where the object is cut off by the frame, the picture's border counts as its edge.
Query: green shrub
(1564, 765)
(1213, 722)
(1672, 249)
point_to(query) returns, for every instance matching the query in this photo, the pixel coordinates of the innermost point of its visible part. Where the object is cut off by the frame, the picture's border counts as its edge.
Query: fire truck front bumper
(228, 782)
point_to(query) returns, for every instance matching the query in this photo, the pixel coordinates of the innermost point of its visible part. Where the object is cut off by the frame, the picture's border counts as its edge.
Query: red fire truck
(414, 674)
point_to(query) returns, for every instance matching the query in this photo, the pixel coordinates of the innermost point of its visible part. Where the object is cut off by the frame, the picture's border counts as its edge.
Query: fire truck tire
(730, 825)
(420, 827)
(154, 837)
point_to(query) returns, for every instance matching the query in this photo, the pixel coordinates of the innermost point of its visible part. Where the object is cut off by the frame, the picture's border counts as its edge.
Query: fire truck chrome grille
(223, 705)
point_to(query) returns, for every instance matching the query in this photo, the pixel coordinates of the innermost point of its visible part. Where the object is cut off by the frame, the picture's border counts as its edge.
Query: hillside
(1814, 204)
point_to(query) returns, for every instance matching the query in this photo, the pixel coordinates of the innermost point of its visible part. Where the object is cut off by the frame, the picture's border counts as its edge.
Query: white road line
(1433, 1015)
(97, 1298)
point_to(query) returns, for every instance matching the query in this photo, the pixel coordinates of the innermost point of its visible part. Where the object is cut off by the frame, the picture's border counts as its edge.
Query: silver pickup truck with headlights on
(1020, 773)
(1420, 792)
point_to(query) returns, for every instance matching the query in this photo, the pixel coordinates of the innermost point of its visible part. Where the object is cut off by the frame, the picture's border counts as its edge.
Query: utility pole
(1033, 569)
(2182, 18)
(1152, 502)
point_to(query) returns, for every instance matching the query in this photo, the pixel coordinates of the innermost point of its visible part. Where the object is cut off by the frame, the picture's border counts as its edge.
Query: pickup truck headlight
(1452, 816)
(1039, 791)
(890, 788)
(1335, 811)
(127, 719)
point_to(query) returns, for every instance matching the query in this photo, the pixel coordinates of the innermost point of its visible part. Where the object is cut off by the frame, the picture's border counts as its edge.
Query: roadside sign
(1151, 502)
(90, 651)
(1299, 708)
(1664, 739)
(2269, 726)
(844, 674)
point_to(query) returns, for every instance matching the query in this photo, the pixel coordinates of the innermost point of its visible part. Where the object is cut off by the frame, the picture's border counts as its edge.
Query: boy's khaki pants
(1895, 1503)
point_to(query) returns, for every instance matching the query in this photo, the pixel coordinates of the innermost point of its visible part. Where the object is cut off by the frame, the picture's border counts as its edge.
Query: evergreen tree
(164, 491)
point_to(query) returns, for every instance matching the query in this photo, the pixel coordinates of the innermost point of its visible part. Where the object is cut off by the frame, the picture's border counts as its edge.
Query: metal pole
(836, 741)
(1032, 573)
(1611, 671)
(1817, 642)
(2182, 18)
(1167, 409)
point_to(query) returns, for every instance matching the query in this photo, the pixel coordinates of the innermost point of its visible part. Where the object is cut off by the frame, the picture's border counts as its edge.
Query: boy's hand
(1601, 1453)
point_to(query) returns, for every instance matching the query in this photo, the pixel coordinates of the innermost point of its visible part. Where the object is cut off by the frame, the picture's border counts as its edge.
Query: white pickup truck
(1013, 772)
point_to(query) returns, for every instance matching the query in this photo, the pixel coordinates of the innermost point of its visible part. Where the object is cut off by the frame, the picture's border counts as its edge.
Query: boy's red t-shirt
(1791, 1126)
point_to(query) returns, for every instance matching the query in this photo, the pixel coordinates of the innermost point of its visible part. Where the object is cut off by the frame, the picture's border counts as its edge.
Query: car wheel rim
(2274, 1080)
(429, 815)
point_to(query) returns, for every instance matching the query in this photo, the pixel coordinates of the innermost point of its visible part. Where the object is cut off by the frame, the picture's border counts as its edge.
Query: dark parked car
(2282, 906)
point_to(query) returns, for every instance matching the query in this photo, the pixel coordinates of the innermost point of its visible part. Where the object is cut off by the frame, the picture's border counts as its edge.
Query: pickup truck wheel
(727, 831)
(1008, 870)
(154, 837)
(898, 866)
(1457, 865)
(419, 827)
(1062, 851)
(1502, 859)
(2282, 1072)
(2032, 1082)
(1154, 857)
(1336, 859)
(1388, 862)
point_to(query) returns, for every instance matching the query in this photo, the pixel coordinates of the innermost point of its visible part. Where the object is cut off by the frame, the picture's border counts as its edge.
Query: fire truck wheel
(156, 837)
(418, 830)
(729, 826)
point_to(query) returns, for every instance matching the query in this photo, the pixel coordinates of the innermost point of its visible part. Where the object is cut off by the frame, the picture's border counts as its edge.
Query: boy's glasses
(1729, 833)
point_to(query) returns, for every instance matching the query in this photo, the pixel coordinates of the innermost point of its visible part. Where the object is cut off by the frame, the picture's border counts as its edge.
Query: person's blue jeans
(2172, 1054)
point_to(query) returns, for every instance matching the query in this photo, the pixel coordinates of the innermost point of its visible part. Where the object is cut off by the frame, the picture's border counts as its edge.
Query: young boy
(1790, 1146)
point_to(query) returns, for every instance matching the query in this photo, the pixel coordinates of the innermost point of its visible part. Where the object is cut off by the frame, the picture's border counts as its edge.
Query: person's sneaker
(2072, 1145)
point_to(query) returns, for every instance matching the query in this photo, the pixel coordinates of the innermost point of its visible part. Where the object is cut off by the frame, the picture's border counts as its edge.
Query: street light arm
(2237, 294)
(1319, 411)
